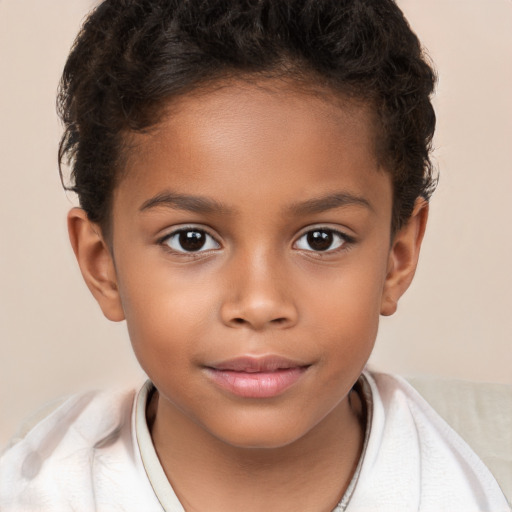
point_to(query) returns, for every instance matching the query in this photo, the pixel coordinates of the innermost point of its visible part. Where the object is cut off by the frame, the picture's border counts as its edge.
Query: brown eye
(321, 240)
(191, 240)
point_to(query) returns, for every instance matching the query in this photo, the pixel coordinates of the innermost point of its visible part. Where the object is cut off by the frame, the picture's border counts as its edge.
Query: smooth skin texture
(280, 196)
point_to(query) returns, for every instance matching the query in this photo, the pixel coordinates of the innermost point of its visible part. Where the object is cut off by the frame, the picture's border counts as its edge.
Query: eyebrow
(186, 202)
(329, 202)
(199, 204)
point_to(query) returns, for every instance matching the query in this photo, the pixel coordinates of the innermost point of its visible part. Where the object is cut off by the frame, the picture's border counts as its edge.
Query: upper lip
(252, 364)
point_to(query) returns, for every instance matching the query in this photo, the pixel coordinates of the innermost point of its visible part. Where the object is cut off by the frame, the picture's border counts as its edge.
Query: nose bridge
(260, 295)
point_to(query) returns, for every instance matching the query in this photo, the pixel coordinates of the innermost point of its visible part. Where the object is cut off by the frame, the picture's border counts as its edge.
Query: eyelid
(176, 230)
(347, 239)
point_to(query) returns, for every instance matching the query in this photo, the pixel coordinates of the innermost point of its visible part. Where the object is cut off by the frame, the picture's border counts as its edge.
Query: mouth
(256, 377)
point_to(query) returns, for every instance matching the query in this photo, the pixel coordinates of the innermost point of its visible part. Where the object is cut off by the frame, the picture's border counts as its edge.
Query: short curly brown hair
(132, 56)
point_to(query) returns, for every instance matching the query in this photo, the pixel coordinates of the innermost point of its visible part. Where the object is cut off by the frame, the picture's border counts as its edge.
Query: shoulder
(411, 448)
(481, 413)
(70, 454)
(70, 412)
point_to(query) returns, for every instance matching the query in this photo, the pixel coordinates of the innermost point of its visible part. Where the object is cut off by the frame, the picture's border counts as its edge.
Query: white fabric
(83, 457)
(481, 413)
(415, 461)
(94, 453)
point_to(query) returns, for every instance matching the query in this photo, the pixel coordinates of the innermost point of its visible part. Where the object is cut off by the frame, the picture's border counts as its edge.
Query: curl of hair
(132, 56)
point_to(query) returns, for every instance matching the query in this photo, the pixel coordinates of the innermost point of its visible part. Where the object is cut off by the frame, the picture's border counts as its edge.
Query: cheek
(165, 312)
(346, 310)
(348, 329)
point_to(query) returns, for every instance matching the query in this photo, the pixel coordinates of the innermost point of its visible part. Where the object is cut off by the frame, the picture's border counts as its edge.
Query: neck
(309, 474)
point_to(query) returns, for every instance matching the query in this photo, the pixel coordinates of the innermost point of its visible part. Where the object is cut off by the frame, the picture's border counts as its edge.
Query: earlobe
(95, 262)
(403, 258)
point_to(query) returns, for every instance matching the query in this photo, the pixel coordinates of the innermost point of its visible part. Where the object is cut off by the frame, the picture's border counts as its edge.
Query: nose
(259, 295)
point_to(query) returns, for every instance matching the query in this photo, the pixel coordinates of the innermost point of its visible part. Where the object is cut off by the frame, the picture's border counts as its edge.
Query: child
(254, 180)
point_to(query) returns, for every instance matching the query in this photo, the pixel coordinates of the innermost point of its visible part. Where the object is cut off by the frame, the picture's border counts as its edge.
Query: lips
(256, 377)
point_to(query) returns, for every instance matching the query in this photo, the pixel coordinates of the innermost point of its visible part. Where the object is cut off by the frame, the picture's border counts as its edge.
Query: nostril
(274, 321)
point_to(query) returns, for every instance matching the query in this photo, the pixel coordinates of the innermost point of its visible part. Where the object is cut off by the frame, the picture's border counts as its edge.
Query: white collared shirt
(95, 453)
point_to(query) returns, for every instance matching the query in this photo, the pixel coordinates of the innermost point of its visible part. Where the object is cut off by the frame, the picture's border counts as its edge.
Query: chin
(258, 436)
(259, 442)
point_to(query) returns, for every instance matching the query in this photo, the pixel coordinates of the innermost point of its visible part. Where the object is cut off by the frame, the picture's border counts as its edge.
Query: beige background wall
(455, 321)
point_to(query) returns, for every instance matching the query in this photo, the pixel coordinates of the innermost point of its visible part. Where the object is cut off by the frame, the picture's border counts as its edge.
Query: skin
(273, 163)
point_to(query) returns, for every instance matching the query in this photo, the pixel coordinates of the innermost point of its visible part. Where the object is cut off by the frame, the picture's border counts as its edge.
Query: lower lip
(257, 384)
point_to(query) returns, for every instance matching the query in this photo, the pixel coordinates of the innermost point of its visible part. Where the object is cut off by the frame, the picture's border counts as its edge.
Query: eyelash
(164, 241)
(343, 240)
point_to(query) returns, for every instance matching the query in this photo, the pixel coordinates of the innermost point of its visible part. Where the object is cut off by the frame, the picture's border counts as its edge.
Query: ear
(95, 262)
(403, 258)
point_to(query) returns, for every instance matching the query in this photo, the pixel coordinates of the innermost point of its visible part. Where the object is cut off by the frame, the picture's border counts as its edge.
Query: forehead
(239, 140)
(278, 104)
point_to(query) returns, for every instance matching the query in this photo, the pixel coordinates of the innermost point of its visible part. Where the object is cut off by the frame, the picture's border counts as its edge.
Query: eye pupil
(192, 240)
(320, 240)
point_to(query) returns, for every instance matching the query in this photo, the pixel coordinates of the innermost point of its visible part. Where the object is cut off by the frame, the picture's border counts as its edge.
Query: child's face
(251, 241)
